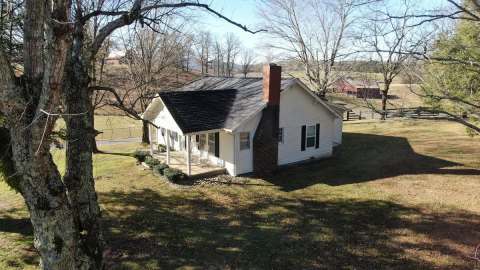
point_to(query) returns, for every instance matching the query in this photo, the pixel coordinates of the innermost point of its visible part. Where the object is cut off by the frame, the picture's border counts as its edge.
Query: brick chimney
(265, 141)
(272, 76)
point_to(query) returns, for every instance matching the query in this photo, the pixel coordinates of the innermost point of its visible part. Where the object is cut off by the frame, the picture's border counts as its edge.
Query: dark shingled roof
(216, 102)
(199, 110)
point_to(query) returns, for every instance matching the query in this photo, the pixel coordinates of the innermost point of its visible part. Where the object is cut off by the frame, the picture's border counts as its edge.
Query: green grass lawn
(114, 127)
(396, 195)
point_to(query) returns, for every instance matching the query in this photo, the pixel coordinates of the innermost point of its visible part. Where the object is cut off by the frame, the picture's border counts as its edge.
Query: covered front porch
(196, 170)
(192, 154)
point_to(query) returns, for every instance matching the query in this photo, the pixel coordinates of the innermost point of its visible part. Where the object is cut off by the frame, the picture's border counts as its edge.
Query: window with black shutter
(311, 136)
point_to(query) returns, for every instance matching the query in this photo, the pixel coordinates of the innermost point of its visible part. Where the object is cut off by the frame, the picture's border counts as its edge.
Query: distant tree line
(220, 55)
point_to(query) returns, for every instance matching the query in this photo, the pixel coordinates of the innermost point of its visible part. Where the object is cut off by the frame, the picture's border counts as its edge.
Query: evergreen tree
(452, 79)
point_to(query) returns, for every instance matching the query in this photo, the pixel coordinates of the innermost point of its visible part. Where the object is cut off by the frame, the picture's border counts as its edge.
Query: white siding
(298, 108)
(165, 119)
(227, 151)
(244, 157)
(338, 131)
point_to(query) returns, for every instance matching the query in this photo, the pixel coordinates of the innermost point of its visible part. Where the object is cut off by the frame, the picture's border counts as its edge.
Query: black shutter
(304, 133)
(217, 144)
(197, 138)
(317, 136)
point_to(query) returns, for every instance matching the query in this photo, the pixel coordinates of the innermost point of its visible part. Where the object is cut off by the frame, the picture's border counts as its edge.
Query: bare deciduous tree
(218, 62)
(313, 32)
(203, 45)
(388, 39)
(247, 59)
(232, 49)
(152, 59)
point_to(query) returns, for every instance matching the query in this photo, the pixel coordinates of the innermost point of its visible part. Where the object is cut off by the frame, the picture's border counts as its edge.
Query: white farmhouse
(246, 124)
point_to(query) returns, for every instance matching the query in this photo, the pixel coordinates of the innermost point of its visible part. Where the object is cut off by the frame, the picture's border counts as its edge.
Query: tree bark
(55, 231)
(95, 149)
(79, 162)
(385, 98)
(29, 105)
(384, 104)
(145, 133)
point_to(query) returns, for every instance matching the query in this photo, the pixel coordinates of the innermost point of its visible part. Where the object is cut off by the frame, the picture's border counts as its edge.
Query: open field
(396, 195)
(114, 127)
(402, 96)
(117, 127)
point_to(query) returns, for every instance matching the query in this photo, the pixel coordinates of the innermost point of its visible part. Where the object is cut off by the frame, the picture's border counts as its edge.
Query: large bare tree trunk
(29, 105)
(385, 99)
(55, 231)
(145, 132)
(79, 162)
(384, 104)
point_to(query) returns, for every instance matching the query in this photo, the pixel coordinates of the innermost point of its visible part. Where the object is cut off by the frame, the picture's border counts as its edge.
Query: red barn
(358, 88)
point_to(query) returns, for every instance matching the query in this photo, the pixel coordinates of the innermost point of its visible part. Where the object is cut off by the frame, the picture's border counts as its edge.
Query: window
(211, 143)
(280, 135)
(244, 140)
(311, 136)
(162, 130)
(173, 136)
(202, 141)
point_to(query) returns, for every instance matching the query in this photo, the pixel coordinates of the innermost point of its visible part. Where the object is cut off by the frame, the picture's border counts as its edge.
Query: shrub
(160, 168)
(174, 175)
(141, 155)
(151, 161)
(162, 148)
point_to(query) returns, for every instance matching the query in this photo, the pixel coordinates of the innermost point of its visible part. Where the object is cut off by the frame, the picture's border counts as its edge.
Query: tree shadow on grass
(11, 223)
(16, 233)
(148, 230)
(362, 158)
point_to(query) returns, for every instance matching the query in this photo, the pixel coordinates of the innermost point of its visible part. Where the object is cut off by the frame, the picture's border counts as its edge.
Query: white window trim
(202, 142)
(314, 136)
(240, 141)
(210, 150)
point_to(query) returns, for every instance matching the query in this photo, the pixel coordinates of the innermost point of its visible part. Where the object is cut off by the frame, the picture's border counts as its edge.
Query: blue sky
(242, 11)
(246, 12)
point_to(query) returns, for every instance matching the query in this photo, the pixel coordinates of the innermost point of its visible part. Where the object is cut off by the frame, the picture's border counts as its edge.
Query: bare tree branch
(137, 12)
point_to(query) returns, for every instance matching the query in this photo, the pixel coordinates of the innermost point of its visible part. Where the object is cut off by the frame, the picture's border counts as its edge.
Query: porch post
(189, 155)
(150, 138)
(168, 147)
